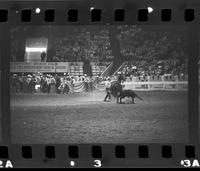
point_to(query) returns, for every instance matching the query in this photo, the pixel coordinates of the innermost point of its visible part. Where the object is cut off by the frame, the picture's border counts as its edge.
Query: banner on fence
(79, 87)
(32, 67)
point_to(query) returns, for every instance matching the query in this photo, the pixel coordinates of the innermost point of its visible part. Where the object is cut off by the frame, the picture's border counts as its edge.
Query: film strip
(56, 55)
(95, 15)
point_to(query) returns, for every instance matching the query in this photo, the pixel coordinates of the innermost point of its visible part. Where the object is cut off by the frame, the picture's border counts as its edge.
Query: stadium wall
(152, 86)
(159, 86)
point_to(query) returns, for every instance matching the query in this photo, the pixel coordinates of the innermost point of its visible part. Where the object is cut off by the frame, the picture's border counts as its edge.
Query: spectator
(43, 56)
(58, 83)
(48, 83)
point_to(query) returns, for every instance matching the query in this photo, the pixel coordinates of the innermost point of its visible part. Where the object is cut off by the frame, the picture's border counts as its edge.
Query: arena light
(37, 10)
(150, 9)
(91, 8)
(36, 49)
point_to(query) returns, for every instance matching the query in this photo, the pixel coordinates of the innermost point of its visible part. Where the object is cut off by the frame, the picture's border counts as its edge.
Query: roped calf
(127, 93)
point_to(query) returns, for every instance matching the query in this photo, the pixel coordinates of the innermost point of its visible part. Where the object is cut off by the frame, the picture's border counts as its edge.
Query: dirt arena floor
(84, 118)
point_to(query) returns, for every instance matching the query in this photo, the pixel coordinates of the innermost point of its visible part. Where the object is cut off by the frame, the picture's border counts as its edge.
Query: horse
(115, 88)
(118, 92)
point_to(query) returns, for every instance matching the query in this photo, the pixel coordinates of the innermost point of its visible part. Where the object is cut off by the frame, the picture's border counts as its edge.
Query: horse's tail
(138, 97)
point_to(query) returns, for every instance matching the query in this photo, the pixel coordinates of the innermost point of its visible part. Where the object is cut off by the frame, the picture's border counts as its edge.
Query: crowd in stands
(94, 43)
(147, 49)
(83, 45)
(170, 69)
(153, 54)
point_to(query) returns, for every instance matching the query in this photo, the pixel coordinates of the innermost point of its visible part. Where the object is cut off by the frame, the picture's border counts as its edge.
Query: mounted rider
(120, 78)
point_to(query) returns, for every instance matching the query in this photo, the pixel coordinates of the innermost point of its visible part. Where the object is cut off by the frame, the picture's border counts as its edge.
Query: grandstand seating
(76, 68)
(98, 69)
(155, 71)
(114, 44)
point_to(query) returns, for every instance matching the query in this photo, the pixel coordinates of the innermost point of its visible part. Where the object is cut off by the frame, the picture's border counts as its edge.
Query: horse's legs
(117, 99)
(133, 100)
(106, 97)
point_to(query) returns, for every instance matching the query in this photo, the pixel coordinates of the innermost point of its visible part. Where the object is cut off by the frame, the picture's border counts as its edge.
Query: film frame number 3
(96, 163)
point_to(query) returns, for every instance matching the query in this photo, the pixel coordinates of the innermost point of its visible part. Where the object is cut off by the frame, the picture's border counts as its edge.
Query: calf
(127, 93)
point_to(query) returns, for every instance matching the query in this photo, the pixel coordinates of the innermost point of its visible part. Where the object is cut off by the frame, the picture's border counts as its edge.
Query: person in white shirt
(108, 91)
(48, 84)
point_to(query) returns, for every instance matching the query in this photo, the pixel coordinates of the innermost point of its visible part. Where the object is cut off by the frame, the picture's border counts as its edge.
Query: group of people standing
(46, 83)
(30, 83)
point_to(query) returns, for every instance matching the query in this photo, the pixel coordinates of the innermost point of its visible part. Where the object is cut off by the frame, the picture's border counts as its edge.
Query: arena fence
(153, 86)
(162, 78)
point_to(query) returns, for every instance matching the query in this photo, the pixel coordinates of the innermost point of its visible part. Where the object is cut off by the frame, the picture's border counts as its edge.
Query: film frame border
(85, 158)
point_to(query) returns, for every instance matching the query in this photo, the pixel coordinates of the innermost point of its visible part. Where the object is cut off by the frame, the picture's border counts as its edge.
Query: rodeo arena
(99, 84)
